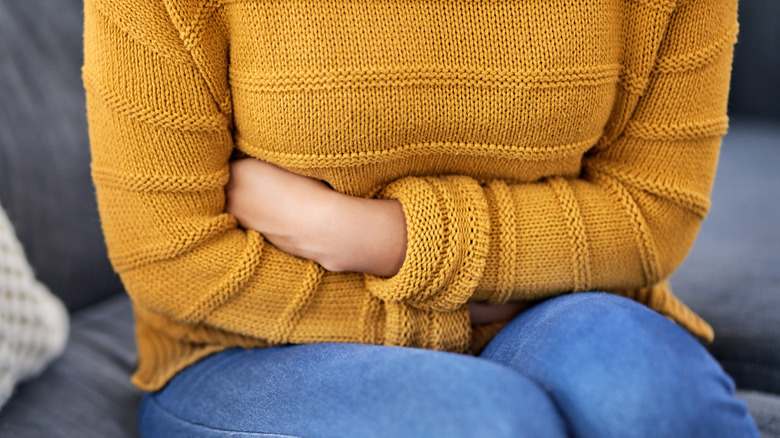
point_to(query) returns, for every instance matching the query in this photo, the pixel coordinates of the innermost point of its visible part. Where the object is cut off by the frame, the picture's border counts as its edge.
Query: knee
(351, 390)
(594, 322)
(612, 365)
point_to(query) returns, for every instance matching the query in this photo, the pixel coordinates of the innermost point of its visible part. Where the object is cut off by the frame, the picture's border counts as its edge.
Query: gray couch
(732, 276)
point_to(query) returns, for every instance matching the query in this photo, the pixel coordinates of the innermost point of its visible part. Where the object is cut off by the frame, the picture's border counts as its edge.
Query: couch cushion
(87, 391)
(765, 409)
(45, 184)
(732, 275)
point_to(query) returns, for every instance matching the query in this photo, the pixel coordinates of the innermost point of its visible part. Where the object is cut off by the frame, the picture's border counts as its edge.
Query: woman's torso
(360, 94)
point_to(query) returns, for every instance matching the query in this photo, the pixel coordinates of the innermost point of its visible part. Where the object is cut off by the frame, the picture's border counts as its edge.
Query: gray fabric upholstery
(755, 88)
(44, 157)
(765, 409)
(732, 275)
(87, 391)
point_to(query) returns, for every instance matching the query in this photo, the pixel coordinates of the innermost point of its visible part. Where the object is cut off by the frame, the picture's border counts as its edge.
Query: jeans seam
(152, 399)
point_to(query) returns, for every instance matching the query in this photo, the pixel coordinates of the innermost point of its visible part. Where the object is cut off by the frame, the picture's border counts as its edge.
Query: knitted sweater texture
(538, 148)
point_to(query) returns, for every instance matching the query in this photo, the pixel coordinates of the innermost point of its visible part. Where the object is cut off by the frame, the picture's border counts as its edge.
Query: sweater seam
(153, 399)
(170, 9)
(636, 84)
(124, 107)
(178, 57)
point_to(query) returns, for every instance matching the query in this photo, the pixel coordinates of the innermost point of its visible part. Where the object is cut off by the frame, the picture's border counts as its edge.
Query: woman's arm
(628, 220)
(306, 218)
(159, 122)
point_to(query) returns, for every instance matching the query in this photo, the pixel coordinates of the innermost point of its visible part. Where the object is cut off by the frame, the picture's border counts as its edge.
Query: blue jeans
(584, 365)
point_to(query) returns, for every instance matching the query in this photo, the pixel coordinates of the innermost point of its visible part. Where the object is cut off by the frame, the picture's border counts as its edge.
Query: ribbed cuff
(448, 237)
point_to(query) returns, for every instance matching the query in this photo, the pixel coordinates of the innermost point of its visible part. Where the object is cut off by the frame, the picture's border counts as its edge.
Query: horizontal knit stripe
(698, 58)
(523, 179)
(119, 13)
(580, 260)
(304, 160)
(289, 318)
(633, 82)
(123, 106)
(661, 5)
(697, 203)
(160, 183)
(503, 242)
(681, 131)
(643, 237)
(424, 75)
(666, 6)
(231, 283)
(140, 256)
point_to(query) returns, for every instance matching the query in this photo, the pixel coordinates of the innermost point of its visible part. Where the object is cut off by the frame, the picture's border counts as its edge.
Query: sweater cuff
(448, 237)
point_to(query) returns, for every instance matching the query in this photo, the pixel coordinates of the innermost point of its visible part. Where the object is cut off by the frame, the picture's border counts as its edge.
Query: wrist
(384, 239)
(317, 231)
(366, 235)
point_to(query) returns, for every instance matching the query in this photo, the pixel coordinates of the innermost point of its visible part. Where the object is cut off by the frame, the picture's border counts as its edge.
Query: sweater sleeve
(160, 134)
(627, 221)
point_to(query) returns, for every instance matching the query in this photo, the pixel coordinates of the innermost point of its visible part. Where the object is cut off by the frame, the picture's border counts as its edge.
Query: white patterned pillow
(33, 322)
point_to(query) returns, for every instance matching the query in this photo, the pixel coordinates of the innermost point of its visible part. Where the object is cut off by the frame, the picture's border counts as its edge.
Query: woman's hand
(484, 313)
(306, 218)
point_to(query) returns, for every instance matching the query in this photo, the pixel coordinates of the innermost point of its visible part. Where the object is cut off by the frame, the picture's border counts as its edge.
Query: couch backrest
(45, 184)
(755, 80)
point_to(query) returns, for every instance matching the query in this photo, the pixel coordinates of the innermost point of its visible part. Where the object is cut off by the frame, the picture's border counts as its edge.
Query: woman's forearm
(306, 218)
(366, 235)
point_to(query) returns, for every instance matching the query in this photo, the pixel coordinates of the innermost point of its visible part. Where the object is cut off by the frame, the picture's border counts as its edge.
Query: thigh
(616, 368)
(344, 390)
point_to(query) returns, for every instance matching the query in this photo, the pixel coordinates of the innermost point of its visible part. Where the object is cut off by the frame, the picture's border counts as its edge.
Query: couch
(732, 276)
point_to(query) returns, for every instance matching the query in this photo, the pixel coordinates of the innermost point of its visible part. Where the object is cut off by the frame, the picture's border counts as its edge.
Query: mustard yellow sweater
(538, 148)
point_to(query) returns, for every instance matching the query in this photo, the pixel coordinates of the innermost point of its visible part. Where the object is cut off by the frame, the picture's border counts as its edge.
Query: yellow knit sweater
(538, 148)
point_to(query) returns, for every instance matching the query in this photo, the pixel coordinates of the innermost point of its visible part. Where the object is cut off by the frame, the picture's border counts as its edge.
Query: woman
(418, 175)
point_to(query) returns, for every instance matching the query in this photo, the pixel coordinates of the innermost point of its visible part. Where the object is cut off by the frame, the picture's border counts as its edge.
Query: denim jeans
(584, 365)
